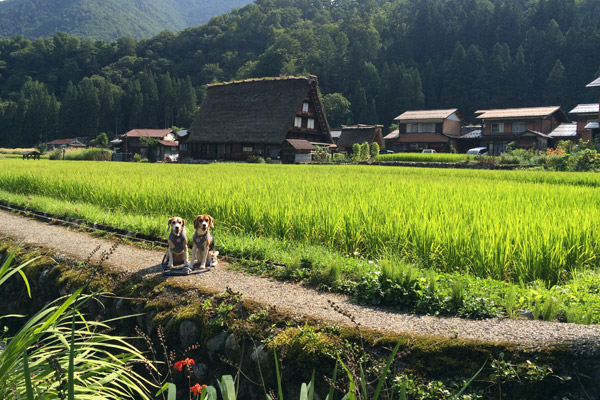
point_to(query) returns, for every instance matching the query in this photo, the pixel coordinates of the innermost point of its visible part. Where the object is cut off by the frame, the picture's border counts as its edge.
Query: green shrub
(254, 159)
(137, 157)
(339, 158)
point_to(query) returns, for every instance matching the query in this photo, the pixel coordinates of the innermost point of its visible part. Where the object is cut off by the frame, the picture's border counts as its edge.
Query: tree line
(374, 59)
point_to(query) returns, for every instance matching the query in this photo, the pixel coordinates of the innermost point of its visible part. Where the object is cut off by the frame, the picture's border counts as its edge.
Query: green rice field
(516, 226)
(425, 157)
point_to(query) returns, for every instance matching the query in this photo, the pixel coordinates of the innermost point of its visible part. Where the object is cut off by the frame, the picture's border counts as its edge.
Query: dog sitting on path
(203, 244)
(177, 253)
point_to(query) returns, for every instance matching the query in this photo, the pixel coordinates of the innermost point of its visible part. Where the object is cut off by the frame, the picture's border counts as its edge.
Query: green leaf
(333, 379)
(162, 389)
(172, 393)
(227, 387)
(279, 388)
(385, 371)
(28, 385)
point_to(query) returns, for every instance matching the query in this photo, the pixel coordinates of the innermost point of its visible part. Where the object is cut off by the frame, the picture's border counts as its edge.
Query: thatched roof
(360, 134)
(254, 111)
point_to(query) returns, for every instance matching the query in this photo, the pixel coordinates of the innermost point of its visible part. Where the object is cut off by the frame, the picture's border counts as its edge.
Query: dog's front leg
(204, 258)
(170, 252)
(191, 262)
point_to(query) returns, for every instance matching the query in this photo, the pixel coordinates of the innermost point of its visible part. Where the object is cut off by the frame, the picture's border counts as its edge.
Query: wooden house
(586, 117)
(255, 117)
(133, 143)
(359, 134)
(529, 127)
(72, 143)
(425, 129)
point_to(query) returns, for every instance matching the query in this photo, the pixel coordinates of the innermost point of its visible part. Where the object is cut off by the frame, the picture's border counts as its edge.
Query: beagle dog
(203, 243)
(177, 253)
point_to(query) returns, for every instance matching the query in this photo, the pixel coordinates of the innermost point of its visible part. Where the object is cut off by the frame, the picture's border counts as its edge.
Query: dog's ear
(170, 222)
(182, 223)
(212, 221)
(197, 221)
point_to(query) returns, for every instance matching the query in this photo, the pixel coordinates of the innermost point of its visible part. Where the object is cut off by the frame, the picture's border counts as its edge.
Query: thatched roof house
(239, 119)
(359, 134)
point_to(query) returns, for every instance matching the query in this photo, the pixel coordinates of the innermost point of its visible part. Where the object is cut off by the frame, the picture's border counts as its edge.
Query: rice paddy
(425, 157)
(517, 226)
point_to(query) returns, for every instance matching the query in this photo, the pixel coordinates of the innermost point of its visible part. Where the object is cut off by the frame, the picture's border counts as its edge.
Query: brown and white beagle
(177, 253)
(203, 244)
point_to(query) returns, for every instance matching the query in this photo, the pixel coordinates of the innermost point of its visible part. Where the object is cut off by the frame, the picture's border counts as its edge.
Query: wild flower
(196, 390)
(180, 364)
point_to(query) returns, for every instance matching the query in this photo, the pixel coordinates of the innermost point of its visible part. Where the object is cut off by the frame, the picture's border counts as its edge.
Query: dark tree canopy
(382, 57)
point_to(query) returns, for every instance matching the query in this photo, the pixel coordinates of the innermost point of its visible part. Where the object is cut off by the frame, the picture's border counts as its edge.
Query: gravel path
(300, 301)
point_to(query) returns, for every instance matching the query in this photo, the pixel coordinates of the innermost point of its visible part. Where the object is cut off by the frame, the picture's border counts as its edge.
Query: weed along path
(300, 302)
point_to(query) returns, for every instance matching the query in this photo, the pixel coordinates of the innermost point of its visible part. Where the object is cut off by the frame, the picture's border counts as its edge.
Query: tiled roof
(517, 112)
(154, 133)
(585, 109)
(592, 125)
(392, 135)
(594, 83)
(475, 134)
(565, 130)
(425, 115)
(61, 141)
(169, 143)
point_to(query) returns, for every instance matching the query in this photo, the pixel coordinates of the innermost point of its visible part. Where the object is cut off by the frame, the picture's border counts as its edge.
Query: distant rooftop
(517, 112)
(425, 115)
(594, 83)
(565, 130)
(585, 109)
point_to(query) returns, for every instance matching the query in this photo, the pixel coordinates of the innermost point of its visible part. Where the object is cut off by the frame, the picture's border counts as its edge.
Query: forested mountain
(374, 59)
(106, 19)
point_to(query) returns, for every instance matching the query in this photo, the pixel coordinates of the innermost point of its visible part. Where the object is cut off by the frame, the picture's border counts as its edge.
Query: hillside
(107, 19)
(374, 59)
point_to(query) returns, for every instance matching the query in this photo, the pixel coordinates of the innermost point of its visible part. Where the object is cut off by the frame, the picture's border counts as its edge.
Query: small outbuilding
(358, 134)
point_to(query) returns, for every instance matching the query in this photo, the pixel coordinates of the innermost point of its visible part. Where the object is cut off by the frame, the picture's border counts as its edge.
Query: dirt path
(300, 301)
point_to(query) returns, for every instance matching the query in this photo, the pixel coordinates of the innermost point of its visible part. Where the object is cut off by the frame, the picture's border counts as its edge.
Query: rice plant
(518, 226)
(425, 157)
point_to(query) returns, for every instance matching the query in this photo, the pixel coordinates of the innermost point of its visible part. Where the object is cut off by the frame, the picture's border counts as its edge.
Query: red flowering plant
(197, 389)
(183, 363)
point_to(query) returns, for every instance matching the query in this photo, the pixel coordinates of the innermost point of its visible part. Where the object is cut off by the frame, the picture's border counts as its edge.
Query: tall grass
(511, 225)
(425, 157)
(90, 154)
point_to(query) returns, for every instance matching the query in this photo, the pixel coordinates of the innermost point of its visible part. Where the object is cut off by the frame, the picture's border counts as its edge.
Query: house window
(305, 107)
(497, 127)
(183, 146)
(427, 127)
(423, 127)
(247, 149)
(310, 123)
(298, 122)
(518, 126)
